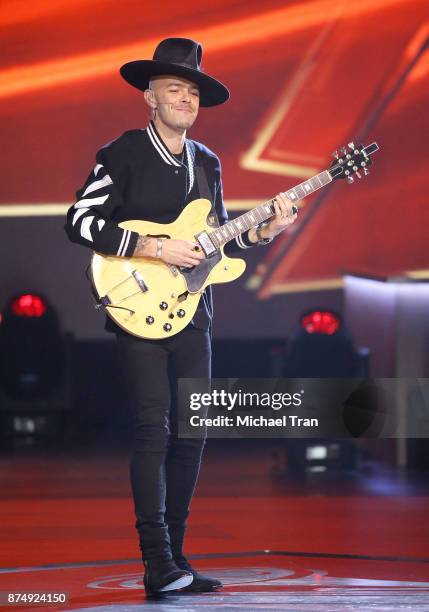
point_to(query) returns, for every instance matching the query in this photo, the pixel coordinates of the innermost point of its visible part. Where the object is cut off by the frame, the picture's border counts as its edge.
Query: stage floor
(319, 543)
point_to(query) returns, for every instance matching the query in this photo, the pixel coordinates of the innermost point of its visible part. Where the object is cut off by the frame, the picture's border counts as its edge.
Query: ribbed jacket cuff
(244, 242)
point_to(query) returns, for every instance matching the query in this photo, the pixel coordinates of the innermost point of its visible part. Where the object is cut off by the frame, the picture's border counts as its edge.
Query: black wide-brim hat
(179, 57)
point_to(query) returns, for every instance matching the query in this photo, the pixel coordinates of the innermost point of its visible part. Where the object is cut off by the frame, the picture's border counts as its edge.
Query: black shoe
(164, 575)
(200, 583)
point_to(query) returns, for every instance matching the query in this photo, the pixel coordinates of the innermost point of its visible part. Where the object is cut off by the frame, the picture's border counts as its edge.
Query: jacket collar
(168, 157)
(159, 145)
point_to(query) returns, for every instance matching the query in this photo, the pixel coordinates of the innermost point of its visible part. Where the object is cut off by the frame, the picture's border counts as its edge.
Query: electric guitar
(151, 299)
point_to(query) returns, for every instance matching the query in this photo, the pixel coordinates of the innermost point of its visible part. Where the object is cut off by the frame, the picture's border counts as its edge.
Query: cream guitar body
(151, 299)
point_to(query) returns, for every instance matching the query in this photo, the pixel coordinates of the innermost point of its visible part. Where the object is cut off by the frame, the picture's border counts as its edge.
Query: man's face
(177, 101)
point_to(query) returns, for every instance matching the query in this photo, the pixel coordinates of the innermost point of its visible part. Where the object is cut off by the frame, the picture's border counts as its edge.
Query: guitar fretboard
(257, 215)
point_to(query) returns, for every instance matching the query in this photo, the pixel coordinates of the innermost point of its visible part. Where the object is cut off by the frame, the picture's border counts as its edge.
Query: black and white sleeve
(89, 220)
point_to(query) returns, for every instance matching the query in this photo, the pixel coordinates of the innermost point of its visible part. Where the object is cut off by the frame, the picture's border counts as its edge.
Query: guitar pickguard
(196, 277)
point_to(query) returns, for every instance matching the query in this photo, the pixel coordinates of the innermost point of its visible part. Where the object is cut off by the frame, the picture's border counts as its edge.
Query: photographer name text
(290, 420)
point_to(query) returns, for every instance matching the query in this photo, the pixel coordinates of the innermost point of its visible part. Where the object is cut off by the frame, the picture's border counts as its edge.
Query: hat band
(184, 64)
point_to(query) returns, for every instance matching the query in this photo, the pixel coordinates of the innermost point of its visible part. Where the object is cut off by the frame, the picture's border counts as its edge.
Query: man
(152, 174)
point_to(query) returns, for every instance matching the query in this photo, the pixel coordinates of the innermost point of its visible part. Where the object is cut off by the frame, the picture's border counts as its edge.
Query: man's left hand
(283, 217)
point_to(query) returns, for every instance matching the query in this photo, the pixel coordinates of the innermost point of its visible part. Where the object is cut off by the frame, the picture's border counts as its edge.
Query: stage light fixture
(32, 352)
(28, 305)
(320, 347)
(321, 322)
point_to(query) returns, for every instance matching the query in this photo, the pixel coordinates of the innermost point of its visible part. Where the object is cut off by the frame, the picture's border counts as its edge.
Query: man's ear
(149, 96)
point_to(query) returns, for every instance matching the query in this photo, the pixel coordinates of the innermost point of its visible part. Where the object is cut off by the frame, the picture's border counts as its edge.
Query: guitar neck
(237, 226)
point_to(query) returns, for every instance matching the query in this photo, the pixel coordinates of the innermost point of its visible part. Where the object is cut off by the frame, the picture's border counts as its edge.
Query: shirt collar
(167, 157)
(159, 145)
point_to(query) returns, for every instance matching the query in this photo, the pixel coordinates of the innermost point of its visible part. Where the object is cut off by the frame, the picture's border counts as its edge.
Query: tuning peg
(358, 174)
(366, 171)
(335, 154)
(343, 150)
(350, 179)
(352, 146)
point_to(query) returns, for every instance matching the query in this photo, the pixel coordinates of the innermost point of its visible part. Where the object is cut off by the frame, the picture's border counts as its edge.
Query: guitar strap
(204, 191)
(212, 221)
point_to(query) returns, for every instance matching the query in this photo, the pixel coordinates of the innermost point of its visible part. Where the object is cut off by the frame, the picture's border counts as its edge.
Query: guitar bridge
(140, 282)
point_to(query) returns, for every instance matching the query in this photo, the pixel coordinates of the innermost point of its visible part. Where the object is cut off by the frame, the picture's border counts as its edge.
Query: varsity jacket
(137, 177)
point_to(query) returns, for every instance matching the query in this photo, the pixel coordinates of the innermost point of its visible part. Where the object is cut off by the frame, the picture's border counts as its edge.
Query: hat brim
(138, 74)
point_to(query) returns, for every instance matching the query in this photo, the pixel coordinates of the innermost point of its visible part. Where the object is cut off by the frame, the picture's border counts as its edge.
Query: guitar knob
(149, 320)
(350, 179)
(166, 327)
(163, 305)
(181, 313)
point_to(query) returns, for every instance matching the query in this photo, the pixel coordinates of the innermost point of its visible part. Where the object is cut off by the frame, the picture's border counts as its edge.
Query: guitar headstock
(352, 161)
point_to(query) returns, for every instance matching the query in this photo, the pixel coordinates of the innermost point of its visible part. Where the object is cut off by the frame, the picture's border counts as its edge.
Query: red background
(330, 71)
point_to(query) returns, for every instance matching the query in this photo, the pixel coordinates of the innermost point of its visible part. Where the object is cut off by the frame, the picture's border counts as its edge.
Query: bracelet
(261, 239)
(159, 247)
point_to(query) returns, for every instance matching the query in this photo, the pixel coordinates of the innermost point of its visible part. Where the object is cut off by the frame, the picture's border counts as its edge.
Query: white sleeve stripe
(84, 228)
(124, 249)
(85, 202)
(122, 242)
(78, 214)
(106, 180)
(97, 168)
(100, 223)
(240, 243)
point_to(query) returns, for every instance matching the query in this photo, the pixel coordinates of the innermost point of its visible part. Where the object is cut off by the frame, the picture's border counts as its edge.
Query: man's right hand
(181, 253)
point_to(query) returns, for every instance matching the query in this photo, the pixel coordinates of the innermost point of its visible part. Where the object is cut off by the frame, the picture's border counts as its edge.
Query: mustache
(171, 104)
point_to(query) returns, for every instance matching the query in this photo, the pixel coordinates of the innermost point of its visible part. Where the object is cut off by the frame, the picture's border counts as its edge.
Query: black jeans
(163, 468)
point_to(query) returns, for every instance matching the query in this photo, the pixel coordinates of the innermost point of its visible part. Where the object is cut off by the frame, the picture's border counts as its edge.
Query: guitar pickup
(206, 244)
(140, 282)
